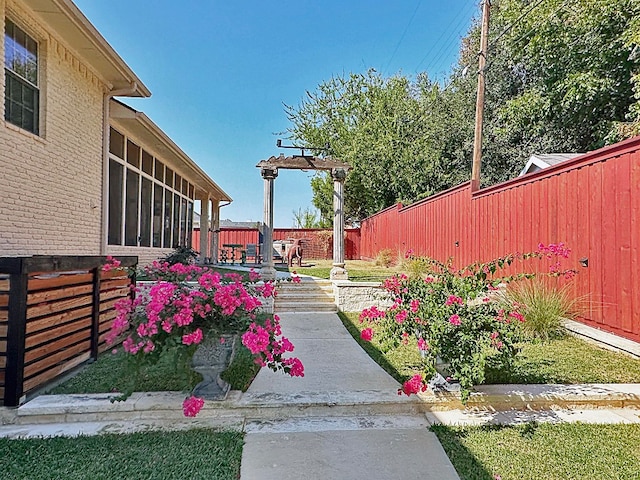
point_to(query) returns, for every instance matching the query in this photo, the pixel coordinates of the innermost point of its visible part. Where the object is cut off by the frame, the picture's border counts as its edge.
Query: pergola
(269, 171)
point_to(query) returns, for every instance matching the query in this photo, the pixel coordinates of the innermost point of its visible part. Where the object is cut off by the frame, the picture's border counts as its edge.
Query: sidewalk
(377, 439)
(343, 419)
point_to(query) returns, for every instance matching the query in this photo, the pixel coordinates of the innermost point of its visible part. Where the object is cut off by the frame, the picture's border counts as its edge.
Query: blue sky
(220, 72)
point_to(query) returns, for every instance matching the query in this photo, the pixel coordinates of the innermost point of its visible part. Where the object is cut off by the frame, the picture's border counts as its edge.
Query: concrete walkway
(377, 439)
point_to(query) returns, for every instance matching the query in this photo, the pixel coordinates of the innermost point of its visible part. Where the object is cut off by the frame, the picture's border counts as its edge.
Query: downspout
(104, 227)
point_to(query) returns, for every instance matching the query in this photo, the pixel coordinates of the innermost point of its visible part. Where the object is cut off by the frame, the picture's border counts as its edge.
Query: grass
(242, 369)
(562, 360)
(568, 360)
(543, 451)
(194, 454)
(109, 374)
(401, 362)
(544, 307)
(358, 270)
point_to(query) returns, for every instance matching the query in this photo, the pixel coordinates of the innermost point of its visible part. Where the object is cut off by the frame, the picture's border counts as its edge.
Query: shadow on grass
(375, 353)
(464, 461)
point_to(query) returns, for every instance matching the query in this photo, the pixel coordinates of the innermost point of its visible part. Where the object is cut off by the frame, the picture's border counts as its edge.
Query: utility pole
(482, 61)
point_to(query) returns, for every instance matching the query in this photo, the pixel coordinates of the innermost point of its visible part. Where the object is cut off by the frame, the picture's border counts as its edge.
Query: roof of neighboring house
(226, 223)
(151, 135)
(70, 25)
(543, 160)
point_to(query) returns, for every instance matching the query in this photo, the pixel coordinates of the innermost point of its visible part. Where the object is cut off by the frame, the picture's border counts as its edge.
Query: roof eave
(70, 24)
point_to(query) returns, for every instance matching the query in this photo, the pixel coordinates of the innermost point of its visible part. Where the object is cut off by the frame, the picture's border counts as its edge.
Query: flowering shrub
(173, 317)
(458, 316)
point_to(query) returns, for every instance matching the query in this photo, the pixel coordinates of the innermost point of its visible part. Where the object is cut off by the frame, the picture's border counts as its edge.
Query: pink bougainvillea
(366, 334)
(413, 386)
(192, 406)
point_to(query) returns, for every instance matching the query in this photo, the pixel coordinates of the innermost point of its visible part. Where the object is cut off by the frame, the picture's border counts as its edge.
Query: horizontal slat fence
(54, 315)
(591, 203)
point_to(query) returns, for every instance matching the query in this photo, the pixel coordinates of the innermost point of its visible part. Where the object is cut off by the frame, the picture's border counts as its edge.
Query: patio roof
(71, 26)
(154, 138)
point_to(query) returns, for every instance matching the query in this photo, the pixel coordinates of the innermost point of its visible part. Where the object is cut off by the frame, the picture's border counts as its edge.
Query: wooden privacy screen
(55, 313)
(4, 323)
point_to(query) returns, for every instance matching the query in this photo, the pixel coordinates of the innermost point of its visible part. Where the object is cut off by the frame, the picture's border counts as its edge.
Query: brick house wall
(51, 191)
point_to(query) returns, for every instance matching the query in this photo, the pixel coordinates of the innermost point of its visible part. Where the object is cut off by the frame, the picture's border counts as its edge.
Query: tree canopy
(562, 76)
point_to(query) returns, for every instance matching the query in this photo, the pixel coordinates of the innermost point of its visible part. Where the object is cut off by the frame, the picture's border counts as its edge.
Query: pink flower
(295, 279)
(518, 316)
(415, 305)
(192, 338)
(408, 253)
(253, 275)
(453, 300)
(401, 316)
(192, 406)
(455, 320)
(366, 334)
(296, 369)
(414, 385)
(422, 344)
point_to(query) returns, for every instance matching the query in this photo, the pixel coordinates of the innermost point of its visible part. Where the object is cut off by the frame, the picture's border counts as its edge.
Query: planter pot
(211, 359)
(442, 380)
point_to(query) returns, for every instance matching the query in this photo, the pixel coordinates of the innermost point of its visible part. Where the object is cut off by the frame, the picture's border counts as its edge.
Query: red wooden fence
(591, 203)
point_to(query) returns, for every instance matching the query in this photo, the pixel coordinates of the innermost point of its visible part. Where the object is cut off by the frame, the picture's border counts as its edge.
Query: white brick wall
(51, 185)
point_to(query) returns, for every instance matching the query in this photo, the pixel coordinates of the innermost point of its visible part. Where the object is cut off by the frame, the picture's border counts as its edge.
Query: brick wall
(50, 197)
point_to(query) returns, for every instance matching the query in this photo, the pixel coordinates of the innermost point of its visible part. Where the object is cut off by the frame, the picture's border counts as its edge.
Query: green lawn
(564, 360)
(109, 374)
(543, 451)
(195, 454)
(358, 270)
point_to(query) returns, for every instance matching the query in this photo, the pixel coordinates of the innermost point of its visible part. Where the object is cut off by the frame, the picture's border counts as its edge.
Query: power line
(455, 20)
(450, 41)
(403, 34)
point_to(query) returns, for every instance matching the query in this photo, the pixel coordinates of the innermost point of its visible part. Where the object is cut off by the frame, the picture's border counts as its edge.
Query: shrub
(459, 316)
(543, 306)
(181, 255)
(384, 258)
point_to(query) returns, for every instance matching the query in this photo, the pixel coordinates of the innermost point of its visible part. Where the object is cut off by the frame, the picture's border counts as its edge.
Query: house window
(21, 101)
(146, 207)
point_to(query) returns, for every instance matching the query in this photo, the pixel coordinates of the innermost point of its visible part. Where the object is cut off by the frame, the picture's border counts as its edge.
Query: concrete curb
(239, 407)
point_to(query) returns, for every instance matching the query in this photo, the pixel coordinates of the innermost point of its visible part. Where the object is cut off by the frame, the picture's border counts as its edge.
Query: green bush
(385, 258)
(544, 307)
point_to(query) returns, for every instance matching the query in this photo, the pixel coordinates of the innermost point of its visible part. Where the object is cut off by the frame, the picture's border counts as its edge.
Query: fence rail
(54, 315)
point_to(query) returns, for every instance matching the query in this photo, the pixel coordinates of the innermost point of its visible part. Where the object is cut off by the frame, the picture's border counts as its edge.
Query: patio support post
(204, 229)
(338, 271)
(214, 234)
(268, 272)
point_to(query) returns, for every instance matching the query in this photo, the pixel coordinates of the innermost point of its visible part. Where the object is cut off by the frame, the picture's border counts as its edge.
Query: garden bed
(109, 374)
(565, 360)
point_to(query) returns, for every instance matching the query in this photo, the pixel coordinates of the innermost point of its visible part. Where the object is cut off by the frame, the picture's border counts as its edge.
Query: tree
(559, 77)
(308, 219)
(562, 74)
(378, 126)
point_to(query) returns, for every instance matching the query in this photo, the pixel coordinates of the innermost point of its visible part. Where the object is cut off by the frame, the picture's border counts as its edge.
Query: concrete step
(146, 407)
(304, 307)
(309, 296)
(324, 424)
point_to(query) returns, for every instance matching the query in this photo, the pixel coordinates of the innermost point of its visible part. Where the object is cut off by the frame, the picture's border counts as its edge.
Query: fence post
(95, 313)
(16, 332)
